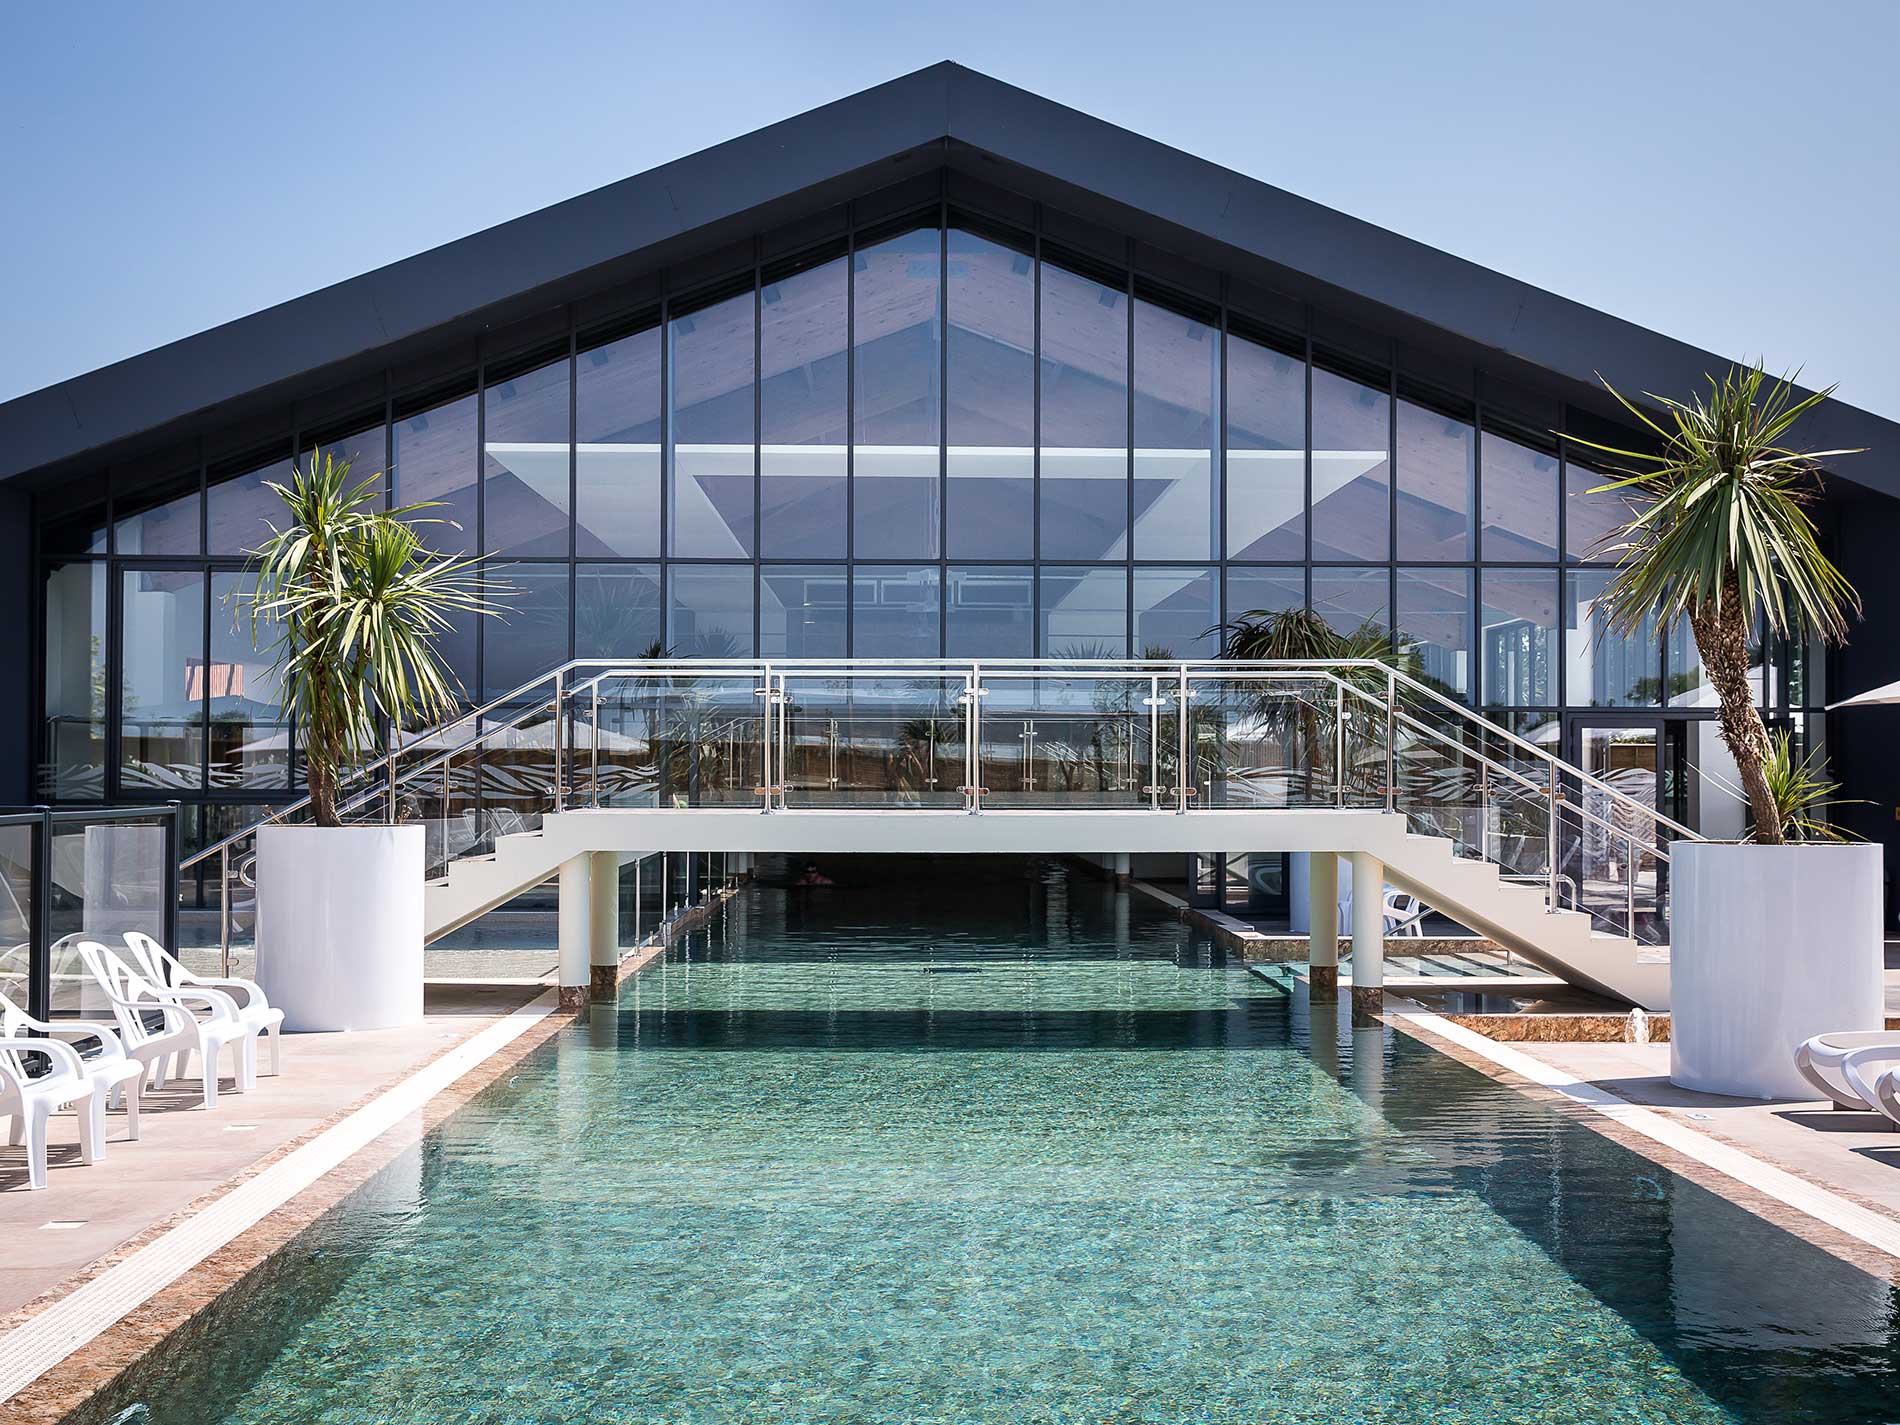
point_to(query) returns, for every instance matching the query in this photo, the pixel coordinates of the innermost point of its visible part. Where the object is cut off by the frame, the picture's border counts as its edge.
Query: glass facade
(934, 434)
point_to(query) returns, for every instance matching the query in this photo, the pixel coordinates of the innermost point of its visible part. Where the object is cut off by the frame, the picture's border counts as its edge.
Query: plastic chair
(119, 1078)
(163, 968)
(177, 1033)
(32, 1098)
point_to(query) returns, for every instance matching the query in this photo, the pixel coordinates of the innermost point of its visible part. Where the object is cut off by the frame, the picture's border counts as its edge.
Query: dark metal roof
(945, 116)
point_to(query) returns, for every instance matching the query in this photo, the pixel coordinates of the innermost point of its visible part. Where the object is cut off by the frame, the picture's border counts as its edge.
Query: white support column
(1121, 869)
(1368, 935)
(576, 927)
(603, 929)
(1322, 935)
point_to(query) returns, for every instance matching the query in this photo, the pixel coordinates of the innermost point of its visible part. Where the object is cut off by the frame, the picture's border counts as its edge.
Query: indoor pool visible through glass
(973, 1142)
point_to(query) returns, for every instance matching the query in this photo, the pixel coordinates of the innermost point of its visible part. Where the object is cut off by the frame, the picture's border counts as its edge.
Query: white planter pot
(1770, 945)
(339, 925)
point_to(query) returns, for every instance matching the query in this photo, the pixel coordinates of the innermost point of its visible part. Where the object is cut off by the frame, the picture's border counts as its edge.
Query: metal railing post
(1629, 883)
(1154, 787)
(1391, 741)
(172, 819)
(593, 771)
(1184, 767)
(560, 743)
(389, 814)
(1555, 797)
(764, 693)
(39, 931)
(1339, 743)
(224, 910)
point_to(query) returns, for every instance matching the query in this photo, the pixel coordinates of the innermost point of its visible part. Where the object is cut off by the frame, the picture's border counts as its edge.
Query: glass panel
(874, 741)
(991, 301)
(1708, 796)
(617, 611)
(1084, 613)
(710, 611)
(1177, 420)
(107, 878)
(241, 512)
(1175, 613)
(1349, 599)
(1435, 474)
(802, 611)
(1084, 418)
(16, 914)
(992, 612)
(1265, 741)
(1608, 872)
(75, 683)
(1518, 632)
(250, 731)
(435, 462)
(617, 451)
(1254, 592)
(1266, 452)
(895, 613)
(1352, 516)
(1520, 500)
(163, 679)
(710, 435)
(1592, 519)
(162, 521)
(1434, 626)
(681, 741)
(366, 451)
(898, 394)
(527, 456)
(1603, 669)
(1079, 741)
(529, 636)
(802, 394)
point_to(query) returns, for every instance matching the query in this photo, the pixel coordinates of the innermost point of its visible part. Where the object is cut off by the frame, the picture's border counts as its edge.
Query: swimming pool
(1011, 1147)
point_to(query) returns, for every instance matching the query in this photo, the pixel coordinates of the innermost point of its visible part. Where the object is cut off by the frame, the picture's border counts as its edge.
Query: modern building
(941, 368)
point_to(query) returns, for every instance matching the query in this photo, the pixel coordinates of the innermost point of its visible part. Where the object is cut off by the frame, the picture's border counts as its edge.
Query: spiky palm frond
(354, 604)
(1803, 792)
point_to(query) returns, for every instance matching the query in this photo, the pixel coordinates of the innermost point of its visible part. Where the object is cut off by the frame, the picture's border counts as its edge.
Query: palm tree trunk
(1722, 637)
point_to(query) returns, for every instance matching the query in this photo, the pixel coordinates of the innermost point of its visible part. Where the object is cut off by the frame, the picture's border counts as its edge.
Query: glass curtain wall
(941, 434)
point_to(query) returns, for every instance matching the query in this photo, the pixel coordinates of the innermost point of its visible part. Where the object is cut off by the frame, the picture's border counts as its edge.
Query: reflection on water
(989, 1143)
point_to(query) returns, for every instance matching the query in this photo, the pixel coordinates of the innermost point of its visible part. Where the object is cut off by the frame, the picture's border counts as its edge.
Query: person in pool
(812, 876)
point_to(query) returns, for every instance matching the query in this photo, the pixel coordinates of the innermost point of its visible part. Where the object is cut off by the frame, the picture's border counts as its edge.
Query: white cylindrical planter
(339, 925)
(1770, 945)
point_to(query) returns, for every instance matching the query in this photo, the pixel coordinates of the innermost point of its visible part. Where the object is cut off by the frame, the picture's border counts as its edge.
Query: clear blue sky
(1728, 173)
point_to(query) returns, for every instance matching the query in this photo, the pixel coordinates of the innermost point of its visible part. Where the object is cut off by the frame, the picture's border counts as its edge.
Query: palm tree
(357, 603)
(1727, 539)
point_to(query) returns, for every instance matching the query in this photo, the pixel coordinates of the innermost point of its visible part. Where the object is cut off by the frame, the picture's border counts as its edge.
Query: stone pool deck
(86, 1217)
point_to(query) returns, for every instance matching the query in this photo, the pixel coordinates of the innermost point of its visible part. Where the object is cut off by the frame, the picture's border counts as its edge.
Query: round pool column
(1368, 935)
(1322, 927)
(603, 930)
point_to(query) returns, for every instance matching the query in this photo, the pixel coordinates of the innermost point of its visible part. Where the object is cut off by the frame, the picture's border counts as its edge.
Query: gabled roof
(943, 116)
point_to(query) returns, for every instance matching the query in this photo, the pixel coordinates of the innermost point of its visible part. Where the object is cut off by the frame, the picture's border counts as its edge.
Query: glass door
(1604, 868)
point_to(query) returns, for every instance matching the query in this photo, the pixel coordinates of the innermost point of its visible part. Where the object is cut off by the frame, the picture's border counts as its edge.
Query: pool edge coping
(87, 1335)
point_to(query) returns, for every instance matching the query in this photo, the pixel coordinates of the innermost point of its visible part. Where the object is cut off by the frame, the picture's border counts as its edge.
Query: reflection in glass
(1175, 612)
(529, 635)
(1435, 475)
(1593, 516)
(526, 459)
(802, 390)
(802, 611)
(435, 462)
(1266, 452)
(617, 447)
(710, 434)
(75, 682)
(1520, 500)
(367, 452)
(163, 679)
(1349, 599)
(898, 391)
(709, 611)
(1518, 637)
(1254, 592)
(163, 521)
(991, 385)
(616, 610)
(1434, 625)
(1604, 669)
(1084, 418)
(1352, 518)
(895, 612)
(991, 612)
(250, 731)
(1084, 612)
(1177, 424)
(241, 510)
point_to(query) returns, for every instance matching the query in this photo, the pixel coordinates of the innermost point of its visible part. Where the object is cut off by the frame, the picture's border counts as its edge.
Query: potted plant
(1773, 939)
(350, 604)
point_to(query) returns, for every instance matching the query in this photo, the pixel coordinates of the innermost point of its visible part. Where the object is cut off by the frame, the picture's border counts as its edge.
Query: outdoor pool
(980, 1142)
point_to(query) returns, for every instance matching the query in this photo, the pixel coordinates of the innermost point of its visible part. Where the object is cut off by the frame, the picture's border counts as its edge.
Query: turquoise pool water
(1014, 1148)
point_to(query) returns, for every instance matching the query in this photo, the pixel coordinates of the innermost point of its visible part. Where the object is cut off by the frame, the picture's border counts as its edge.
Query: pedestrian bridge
(598, 761)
